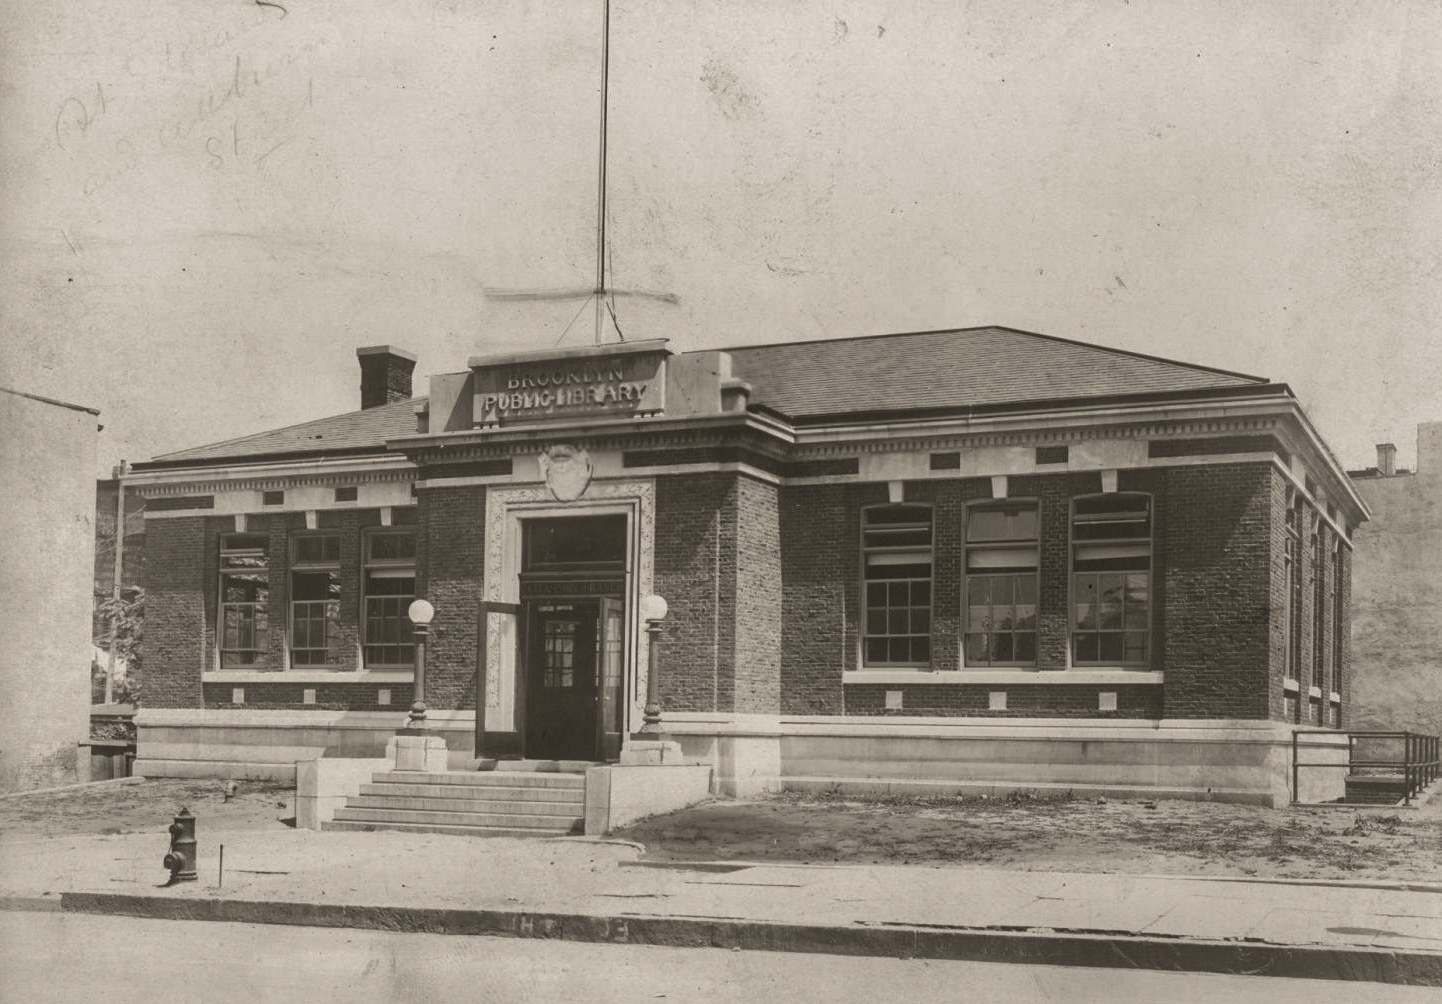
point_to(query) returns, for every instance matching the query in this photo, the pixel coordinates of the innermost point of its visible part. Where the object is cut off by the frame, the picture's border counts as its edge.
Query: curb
(728, 865)
(1033, 946)
(117, 782)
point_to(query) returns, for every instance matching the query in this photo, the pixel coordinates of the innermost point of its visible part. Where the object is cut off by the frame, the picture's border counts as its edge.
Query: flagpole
(600, 292)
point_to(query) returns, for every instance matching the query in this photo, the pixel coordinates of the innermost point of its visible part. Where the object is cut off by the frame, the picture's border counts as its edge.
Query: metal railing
(1417, 767)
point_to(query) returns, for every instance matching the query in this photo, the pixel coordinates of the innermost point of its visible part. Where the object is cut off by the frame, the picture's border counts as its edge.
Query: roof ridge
(219, 444)
(1015, 331)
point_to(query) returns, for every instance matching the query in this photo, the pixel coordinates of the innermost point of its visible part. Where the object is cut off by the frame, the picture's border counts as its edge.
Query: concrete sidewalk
(602, 891)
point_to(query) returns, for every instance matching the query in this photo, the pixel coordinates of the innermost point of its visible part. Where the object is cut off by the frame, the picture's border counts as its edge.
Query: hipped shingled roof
(960, 369)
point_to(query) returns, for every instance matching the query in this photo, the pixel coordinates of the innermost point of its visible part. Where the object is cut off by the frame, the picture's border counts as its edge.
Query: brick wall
(820, 552)
(948, 528)
(175, 621)
(1030, 701)
(1280, 706)
(694, 569)
(741, 636)
(450, 565)
(328, 697)
(1210, 586)
(1219, 582)
(182, 567)
(758, 598)
(1054, 493)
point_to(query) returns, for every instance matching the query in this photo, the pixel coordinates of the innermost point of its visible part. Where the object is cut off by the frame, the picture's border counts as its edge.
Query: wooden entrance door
(561, 681)
(610, 649)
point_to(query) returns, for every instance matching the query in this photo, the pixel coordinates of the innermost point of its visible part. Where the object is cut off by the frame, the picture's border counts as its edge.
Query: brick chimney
(1386, 459)
(385, 374)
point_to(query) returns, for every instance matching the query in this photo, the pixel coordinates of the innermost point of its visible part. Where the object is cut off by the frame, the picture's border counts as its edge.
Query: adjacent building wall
(47, 522)
(1397, 595)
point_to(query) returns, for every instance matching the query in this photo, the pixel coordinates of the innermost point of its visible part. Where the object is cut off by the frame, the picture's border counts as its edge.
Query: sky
(205, 208)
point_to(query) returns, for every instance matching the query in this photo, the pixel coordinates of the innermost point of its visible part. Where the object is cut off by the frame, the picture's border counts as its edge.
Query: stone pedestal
(415, 750)
(651, 752)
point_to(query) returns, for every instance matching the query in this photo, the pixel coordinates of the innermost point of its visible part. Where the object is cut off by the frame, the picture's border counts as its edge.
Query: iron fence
(1407, 774)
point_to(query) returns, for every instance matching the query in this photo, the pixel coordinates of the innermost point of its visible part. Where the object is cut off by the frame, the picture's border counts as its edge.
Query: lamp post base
(649, 749)
(418, 749)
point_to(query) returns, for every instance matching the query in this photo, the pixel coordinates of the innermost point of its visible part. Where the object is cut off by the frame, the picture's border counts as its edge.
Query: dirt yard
(1030, 833)
(1057, 834)
(147, 806)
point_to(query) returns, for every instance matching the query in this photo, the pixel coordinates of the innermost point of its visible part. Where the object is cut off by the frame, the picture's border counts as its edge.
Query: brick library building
(968, 560)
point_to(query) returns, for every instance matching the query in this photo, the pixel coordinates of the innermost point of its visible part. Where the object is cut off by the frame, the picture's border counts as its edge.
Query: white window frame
(388, 568)
(1098, 548)
(1006, 550)
(876, 554)
(330, 566)
(257, 610)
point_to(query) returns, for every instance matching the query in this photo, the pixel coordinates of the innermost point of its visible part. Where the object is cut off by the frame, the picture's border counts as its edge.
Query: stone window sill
(1016, 677)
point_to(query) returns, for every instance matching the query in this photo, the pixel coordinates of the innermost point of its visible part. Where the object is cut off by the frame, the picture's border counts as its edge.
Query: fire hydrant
(181, 859)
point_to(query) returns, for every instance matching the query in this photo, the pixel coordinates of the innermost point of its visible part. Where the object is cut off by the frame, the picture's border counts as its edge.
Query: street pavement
(591, 890)
(95, 959)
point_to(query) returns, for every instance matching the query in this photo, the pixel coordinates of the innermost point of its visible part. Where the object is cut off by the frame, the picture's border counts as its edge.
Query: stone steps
(509, 807)
(466, 792)
(455, 831)
(537, 802)
(482, 779)
(483, 820)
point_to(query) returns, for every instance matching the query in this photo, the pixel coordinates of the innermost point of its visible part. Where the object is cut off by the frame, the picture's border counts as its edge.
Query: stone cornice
(637, 434)
(256, 481)
(887, 441)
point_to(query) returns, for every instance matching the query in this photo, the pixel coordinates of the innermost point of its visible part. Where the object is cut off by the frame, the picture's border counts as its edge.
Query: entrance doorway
(572, 649)
(573, 679)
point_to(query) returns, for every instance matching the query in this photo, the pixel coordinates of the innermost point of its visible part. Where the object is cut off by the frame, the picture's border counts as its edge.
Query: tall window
(1111, 580)
(1291, 561)
(1320, 610)
(314, 598)
(1338, 614)
(896, 562)
(390, 586)
(1001, 585)
(244, 598)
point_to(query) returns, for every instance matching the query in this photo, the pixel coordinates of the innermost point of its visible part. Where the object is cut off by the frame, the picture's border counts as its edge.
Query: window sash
(314, 620)
(315, 550)
(1111, 618)
(243, 633)
(389, 633)
(1001, 619)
